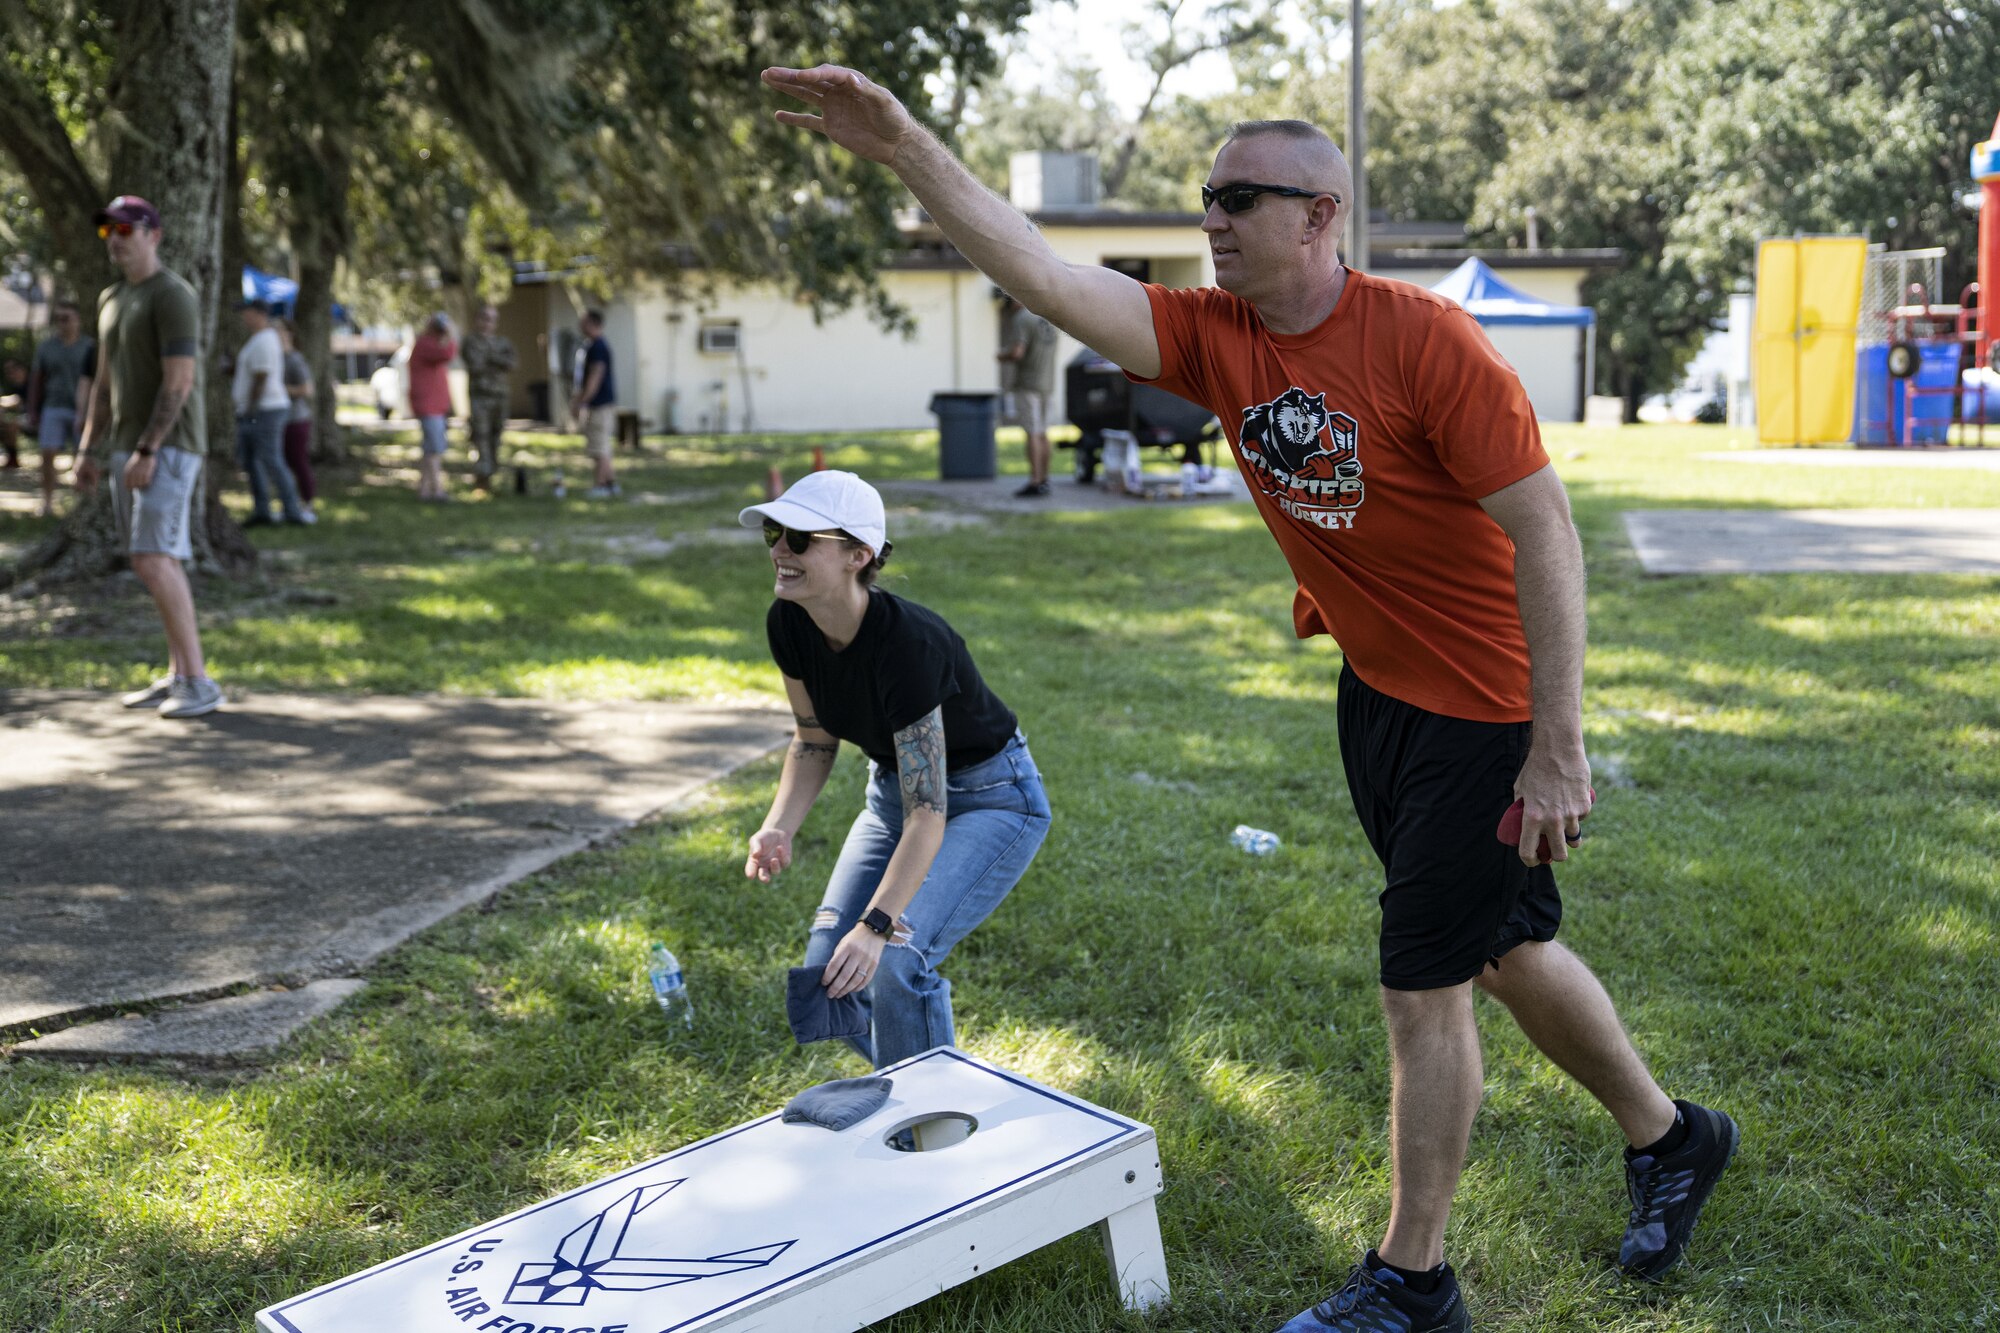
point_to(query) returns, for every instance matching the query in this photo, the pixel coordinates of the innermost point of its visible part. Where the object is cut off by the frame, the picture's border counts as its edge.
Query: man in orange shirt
(1394, 457)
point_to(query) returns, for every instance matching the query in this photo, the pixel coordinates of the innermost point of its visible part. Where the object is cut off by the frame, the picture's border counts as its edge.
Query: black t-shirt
(904, 661)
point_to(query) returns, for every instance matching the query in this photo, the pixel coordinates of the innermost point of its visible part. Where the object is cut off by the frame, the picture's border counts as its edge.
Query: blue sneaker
(1375, 1300)
(1668, 1191)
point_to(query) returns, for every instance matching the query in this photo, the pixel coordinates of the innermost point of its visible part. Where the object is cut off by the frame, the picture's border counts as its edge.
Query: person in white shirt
(258, 391)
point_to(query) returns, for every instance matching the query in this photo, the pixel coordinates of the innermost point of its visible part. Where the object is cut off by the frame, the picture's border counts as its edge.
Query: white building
(752, 359)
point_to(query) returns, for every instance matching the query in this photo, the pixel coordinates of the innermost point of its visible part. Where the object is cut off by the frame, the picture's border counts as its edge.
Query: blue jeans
(260, 451)
(996, 816)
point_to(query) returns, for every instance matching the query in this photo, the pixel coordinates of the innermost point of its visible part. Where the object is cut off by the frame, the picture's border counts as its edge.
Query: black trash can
(966, 451)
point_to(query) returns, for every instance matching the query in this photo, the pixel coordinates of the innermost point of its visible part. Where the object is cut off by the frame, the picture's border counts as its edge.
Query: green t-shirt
(137, 324)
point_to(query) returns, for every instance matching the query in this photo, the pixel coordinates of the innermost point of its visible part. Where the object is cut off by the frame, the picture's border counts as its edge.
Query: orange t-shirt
(1368, 443)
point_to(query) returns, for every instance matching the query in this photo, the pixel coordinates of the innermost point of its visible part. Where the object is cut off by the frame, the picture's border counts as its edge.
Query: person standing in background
(299, 417)
(52, 402)
(258, 393)
(13, 398)
(430, 401)
(146, 400)
(1028, 345)
(595, 402)
(489, 361)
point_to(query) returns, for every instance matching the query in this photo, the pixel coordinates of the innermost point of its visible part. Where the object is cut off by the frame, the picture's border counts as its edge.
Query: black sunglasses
(795, 541)
(1241, 198)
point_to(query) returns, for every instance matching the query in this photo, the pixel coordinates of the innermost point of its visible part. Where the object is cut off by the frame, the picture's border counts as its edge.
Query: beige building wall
(849, 373)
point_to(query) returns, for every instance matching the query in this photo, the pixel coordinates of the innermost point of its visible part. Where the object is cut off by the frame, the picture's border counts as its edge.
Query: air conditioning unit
(721, 339)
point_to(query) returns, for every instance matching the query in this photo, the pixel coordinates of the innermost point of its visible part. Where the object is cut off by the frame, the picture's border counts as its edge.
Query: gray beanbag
(836, 1105)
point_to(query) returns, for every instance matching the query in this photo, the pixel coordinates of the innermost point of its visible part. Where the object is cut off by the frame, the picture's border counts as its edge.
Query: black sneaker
(1033, 490)
(1375, 1300)
(1668, 1191)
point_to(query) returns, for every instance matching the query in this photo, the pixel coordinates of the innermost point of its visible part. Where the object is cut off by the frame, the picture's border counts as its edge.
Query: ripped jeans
(996, 816)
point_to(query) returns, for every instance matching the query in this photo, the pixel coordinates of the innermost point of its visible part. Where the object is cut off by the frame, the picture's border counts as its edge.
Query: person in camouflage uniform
(489, 360)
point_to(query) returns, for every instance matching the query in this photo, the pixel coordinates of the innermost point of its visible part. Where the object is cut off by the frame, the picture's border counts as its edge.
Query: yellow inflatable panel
(1808, 312)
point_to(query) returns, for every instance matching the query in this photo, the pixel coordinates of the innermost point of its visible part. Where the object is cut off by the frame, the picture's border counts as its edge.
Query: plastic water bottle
(1255, 841)
(670, 985)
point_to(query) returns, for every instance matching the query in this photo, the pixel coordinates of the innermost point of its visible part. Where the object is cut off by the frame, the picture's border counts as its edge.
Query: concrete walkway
(296, 838)
(1807, 541)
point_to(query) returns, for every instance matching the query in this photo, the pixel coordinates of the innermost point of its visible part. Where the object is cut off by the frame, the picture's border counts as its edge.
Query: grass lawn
(1791, 892)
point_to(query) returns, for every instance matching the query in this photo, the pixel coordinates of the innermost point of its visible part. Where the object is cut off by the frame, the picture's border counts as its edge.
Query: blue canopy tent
(279, 293)
(1488, 298)
(272, 290)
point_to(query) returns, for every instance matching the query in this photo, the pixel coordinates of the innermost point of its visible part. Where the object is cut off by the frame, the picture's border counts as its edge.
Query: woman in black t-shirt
(955, 809)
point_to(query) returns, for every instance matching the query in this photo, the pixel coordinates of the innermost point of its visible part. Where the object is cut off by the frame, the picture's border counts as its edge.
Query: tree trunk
(63, 188)
(320, 236)
(168, 129)
(179, 101)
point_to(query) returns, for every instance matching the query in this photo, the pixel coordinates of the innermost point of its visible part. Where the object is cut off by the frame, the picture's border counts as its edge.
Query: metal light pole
(1357, 142)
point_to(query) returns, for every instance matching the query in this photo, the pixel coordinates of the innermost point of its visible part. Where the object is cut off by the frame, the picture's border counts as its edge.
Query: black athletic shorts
(1430, 790)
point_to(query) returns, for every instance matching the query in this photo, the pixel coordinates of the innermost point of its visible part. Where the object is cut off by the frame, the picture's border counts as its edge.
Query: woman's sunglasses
(795, 541)
(105, 229)
(1242, 198)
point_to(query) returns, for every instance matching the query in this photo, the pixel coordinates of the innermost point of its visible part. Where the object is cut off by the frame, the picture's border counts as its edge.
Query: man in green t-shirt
(146, 401)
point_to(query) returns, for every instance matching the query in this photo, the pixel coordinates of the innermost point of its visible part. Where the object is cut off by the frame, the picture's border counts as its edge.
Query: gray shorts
(57, 432)
(159, 520)
(434, 437)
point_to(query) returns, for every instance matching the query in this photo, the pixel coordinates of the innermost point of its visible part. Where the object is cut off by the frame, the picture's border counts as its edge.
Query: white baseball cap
(822, 500)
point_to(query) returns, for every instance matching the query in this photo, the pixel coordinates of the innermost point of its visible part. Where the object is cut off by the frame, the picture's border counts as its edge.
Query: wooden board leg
(1138, 1259)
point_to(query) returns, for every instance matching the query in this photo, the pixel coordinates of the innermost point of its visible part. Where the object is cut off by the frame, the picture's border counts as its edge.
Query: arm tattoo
(807, 722)
(920, 763)
(815, 751)
(167, 406)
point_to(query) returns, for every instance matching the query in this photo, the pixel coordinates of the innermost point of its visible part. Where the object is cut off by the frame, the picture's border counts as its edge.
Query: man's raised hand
(861, 117)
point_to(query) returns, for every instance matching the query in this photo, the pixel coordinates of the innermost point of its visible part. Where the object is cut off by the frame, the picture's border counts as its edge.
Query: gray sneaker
(152, 695)
(192, 698)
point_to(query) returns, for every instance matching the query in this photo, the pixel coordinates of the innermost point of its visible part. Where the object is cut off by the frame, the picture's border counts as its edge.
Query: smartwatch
(879, 921)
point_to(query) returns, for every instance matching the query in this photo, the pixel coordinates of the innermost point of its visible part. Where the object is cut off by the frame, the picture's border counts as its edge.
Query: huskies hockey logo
(1304, 457)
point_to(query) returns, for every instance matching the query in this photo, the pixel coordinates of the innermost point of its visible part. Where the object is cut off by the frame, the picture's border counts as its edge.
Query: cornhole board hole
(772, 1227)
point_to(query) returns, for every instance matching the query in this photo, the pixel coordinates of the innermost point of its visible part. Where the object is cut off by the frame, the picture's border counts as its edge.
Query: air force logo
(594, 1257)
(1304, 458)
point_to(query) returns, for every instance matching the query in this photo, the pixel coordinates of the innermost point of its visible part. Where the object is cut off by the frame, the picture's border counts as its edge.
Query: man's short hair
(63, 303)
(594, 316)
(1287, 129)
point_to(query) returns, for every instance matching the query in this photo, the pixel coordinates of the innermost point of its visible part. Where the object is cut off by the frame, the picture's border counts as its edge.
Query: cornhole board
(772, 1227)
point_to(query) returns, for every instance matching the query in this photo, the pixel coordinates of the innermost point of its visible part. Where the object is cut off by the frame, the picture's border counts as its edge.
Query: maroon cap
(128, 208)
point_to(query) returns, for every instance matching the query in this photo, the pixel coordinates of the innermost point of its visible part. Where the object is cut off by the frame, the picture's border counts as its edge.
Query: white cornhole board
(772, 1227)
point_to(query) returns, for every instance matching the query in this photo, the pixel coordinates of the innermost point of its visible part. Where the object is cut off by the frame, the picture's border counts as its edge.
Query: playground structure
(1919, 365)
(1942, 360)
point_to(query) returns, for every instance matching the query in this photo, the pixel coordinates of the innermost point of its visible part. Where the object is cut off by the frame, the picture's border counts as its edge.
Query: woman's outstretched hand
(860, 116)
(770, 852)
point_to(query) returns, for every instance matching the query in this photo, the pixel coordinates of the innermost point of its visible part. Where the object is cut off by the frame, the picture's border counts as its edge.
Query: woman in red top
(430, 400)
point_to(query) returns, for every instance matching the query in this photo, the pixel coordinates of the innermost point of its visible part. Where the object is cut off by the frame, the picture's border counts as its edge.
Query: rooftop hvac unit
(1047, 182)
(723, 339)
